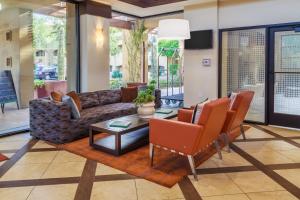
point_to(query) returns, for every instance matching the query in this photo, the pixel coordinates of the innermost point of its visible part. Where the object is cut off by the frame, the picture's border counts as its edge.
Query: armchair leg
(193, 168)
(151, 154)
(243, 131)
(217, 145)
(226, 141)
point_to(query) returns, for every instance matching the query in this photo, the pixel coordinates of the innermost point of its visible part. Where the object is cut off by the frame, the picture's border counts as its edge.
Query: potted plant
(145, 100)
(39, 88)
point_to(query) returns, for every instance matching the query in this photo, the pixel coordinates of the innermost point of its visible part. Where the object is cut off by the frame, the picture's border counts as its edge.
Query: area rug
(168, 169)
(3, 157)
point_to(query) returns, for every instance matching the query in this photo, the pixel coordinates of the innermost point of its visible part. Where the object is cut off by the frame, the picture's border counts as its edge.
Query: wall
(215, 14)
(20, 49)
(94, 53)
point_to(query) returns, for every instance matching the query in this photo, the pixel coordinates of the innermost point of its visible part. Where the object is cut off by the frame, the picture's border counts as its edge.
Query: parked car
(46, 73)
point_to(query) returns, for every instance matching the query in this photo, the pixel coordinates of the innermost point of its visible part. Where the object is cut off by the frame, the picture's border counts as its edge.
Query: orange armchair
(186, 138)
(233, 125)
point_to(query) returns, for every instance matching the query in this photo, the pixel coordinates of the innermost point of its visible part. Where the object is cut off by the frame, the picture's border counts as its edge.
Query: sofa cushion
(89, 99)
(129, 94)
(109, 96)
(76, 99)
(106, 112)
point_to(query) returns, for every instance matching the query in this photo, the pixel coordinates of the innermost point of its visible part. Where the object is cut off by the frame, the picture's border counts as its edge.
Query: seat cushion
(106, 112)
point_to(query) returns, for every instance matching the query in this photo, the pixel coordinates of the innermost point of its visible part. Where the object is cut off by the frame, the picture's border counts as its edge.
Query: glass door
(284, 74)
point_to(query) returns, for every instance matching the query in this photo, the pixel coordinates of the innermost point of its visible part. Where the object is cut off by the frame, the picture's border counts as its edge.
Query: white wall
(201, 80)
(94, 53)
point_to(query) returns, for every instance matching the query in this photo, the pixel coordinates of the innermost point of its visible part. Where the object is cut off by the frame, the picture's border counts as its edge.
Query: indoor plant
(145, 100)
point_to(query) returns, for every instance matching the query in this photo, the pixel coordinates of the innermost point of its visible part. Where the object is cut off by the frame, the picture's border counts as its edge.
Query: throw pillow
(232, 99)
(76, 99)
(74, 110)
(129, 94)
(56, 96)
(197, 112)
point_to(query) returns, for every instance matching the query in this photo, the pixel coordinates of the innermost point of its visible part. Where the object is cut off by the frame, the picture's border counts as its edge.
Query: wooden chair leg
(151, 154)
(193, 168)
(226, 141)
(243, 131)
(217, 145)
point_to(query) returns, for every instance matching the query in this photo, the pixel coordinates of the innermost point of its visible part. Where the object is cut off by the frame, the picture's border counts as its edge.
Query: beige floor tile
(270, 157)
(280, 146)
(227, 197)
(293, 175)
(254, 182)
(114, 190)
(9, 155)
(254, 146)
(106, 170)
(37, 157)
(26, 171)
(64, 156)
(51, 192)
(215, 184)
(12, 145)
(230, 160)
(297, 140)
(68, 169)
(208, 164)
(147, 190)
(283, 131)
(18, 193)
(278, 195)
(255, 133)
(17, 137)
(42, 145)
(293, 154)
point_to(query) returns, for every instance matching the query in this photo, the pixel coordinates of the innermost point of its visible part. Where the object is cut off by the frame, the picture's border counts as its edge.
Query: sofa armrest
(185, 115)
(179, 136)
(47, 115)
(229, 121)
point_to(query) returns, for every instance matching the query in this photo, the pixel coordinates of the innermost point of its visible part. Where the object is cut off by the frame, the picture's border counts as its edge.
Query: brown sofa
(52, 121)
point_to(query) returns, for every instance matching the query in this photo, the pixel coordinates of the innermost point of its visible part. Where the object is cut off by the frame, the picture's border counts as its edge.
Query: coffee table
(123, 140)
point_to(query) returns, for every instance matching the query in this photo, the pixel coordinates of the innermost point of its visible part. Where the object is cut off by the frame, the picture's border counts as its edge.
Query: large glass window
(243, 67)
(38, 48)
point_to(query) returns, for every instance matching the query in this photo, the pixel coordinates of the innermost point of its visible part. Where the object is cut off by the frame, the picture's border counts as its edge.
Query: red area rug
(3, 157)
(168, 169)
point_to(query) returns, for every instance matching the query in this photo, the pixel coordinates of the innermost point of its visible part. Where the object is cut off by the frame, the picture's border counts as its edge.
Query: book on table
(164, 111)
(120, 124)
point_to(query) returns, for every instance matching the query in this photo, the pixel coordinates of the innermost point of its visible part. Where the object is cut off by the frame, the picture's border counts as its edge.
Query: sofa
(52, 121)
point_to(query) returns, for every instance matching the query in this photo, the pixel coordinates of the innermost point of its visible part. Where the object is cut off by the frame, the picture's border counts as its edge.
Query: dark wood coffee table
(123, 140)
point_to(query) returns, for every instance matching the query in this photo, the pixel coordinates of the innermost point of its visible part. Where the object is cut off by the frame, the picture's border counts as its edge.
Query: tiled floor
(264, 167)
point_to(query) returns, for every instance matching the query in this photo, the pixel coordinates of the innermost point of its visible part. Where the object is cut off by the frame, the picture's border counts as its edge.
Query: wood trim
(95, 8)
(147, 4)
(85, 186)
(121, 24)
(188, 189)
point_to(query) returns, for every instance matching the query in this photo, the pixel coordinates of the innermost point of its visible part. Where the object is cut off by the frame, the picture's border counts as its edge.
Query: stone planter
(146, 110)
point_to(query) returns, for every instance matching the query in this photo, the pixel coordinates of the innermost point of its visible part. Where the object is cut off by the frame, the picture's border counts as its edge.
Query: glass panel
(287, 73)
(243, 67)
(37, 43)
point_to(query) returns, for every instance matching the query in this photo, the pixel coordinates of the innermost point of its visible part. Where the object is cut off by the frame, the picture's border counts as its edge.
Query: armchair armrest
(185, 115)
(179, 136)
(229, 121)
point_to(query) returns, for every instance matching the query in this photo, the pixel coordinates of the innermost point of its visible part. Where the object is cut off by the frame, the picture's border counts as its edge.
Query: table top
(136, 122)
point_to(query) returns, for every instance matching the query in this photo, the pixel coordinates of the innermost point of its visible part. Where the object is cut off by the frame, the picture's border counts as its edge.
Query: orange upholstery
(185, 115)
(187, 138)
(238, 112)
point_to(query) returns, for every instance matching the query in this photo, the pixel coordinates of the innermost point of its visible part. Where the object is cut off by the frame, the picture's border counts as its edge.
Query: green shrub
(39, 83)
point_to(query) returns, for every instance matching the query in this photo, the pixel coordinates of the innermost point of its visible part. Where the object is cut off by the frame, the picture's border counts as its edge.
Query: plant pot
(146, 109)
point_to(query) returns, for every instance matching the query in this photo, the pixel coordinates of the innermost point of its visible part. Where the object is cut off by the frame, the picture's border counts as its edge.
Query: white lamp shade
(174, 29)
